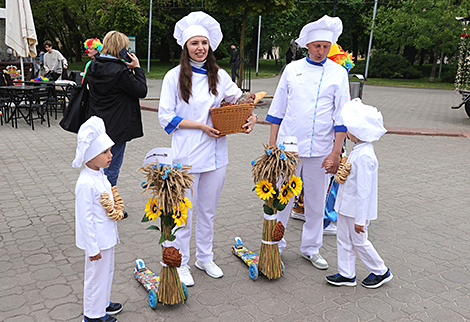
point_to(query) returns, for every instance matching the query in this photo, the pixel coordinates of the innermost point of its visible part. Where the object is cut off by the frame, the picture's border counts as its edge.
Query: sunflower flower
(285, 194)
(264, 189)
(180, 215)
(295, 185)
(188, 202)
(151, 209)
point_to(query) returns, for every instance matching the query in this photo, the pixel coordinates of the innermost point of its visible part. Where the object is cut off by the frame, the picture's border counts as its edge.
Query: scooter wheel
(153, 299)
(253, 271)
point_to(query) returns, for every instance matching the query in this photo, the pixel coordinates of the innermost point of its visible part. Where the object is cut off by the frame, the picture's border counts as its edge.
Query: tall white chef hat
(198, 23)
(324, 29)
(91, 141)
(363, 121)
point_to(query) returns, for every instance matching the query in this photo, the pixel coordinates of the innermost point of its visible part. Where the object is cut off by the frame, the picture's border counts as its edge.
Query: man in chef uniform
(307, 104)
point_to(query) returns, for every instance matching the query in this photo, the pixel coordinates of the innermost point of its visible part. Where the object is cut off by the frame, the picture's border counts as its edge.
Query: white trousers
(206, 192)
(97, 285)
(348, 242)
(315, 185)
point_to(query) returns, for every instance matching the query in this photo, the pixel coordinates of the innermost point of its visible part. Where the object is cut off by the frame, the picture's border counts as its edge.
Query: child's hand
(359, 229)
(96, 257)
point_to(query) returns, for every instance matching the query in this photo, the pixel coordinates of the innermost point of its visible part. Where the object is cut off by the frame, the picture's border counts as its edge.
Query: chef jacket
(308, 102)
(357, 196)
(94, 230)
(192, 146)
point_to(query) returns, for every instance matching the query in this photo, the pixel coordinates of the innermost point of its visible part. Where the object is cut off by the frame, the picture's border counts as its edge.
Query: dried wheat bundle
(167, 182)
(275, 164)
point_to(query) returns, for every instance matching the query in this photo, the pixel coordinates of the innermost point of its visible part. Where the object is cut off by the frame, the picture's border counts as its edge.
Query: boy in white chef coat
(356, 202)
(95, 232)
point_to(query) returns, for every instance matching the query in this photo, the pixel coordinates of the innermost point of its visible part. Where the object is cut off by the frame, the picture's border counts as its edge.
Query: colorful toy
(250, 258)
(41, 79)
(151, 281)
(338, 55)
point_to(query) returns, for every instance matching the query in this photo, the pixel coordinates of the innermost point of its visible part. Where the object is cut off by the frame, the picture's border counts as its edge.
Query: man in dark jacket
(115, 89)
(235, 62)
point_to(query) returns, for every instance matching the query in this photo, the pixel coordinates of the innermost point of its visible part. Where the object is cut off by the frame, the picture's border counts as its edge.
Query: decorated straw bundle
(167, 185)
(275, 165)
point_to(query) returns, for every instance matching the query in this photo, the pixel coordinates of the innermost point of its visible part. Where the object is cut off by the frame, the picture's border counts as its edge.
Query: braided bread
(111, 211)
(343, 171)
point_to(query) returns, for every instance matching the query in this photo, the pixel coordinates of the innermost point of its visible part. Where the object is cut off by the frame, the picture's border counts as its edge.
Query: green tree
(427, 25)
(246, 7)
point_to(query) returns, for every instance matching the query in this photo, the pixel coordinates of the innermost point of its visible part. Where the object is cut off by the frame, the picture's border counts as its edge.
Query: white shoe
(317, 260)
(330, 229)
(185, 275)
(296, 215)
(211, 269)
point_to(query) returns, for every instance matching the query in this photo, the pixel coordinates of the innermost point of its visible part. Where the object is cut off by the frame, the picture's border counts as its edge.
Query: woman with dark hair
(188, 93)
(115, 88)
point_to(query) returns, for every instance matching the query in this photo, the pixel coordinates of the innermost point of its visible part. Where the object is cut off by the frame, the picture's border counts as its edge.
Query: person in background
(188, 93)
(53, 62)
(115, 88)
(93, 48)
(307, 104)
(235, 62)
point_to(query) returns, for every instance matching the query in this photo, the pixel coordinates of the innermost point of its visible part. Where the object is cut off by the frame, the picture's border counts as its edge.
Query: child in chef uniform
(96, 233)
(356, 202)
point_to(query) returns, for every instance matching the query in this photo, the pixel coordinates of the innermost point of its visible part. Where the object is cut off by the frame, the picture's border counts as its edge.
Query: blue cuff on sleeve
(340, 128)
(173, 124)
(273, 119)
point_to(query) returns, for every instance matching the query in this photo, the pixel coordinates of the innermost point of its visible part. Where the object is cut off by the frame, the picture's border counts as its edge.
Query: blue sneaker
(114, 308)
(340, 280)
(374, 281)
(106, 318)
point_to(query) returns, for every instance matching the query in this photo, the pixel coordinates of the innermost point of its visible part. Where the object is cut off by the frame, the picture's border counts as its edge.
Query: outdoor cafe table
(28, 95)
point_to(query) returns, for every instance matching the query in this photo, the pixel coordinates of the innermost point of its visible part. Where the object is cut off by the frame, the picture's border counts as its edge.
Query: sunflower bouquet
(276, 183)
(166, 185)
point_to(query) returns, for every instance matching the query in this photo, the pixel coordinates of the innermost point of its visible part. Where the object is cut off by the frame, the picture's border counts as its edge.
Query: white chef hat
(324, 29)
(363, 121)
(91, 141)
(198, 23)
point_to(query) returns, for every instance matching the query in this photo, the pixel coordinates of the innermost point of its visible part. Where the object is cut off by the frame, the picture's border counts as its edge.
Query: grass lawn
(268, 68)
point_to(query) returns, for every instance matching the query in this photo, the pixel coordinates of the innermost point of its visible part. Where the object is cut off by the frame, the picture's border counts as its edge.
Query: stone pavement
(421, 231)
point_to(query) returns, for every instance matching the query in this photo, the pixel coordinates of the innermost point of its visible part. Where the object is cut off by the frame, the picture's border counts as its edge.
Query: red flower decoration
(464, 35)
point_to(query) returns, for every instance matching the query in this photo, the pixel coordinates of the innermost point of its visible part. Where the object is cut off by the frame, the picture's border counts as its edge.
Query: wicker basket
(230, 119)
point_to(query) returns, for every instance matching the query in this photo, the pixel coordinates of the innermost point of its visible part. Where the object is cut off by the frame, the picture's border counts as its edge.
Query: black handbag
(76, 110)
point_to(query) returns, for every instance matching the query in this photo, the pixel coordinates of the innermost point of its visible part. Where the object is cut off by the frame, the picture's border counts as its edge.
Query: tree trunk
(434, 64)
(355, 47)
(242, 48)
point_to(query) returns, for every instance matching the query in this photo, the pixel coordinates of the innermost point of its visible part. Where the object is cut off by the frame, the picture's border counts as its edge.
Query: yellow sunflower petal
(188, 203)
(264, 189)
(285, 194)
(295, 185)
(151, 209)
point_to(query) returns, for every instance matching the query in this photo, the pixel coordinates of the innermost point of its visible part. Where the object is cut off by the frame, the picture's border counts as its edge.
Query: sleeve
(85, 217)
(365, 170)
(279, 104)
(134, 83)
(168, 101)
(62, 59)
(231, 92)
(342, 96)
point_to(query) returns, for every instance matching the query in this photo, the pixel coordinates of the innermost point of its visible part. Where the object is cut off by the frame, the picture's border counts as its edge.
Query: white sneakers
(317, 260)
(185, 275)
(211, 269)
(330, 229)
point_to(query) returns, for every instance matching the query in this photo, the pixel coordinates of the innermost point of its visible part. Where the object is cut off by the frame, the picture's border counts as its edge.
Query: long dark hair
(186, 74)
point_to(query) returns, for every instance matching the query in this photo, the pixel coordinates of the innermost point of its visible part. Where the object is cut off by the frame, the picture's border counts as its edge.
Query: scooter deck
(146, 277)
(245, 254)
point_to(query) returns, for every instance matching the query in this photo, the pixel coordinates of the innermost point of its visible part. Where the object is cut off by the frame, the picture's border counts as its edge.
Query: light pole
(150, 35)
(370, 39)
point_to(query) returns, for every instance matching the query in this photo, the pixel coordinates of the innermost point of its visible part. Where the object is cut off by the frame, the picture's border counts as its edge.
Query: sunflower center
(293, 184)
(265, 189)
(154, 208)
(178, 215)
(285, 192)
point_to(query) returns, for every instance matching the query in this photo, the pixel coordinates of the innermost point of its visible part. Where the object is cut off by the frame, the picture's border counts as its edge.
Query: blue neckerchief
(315, 63)
(199, 70)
